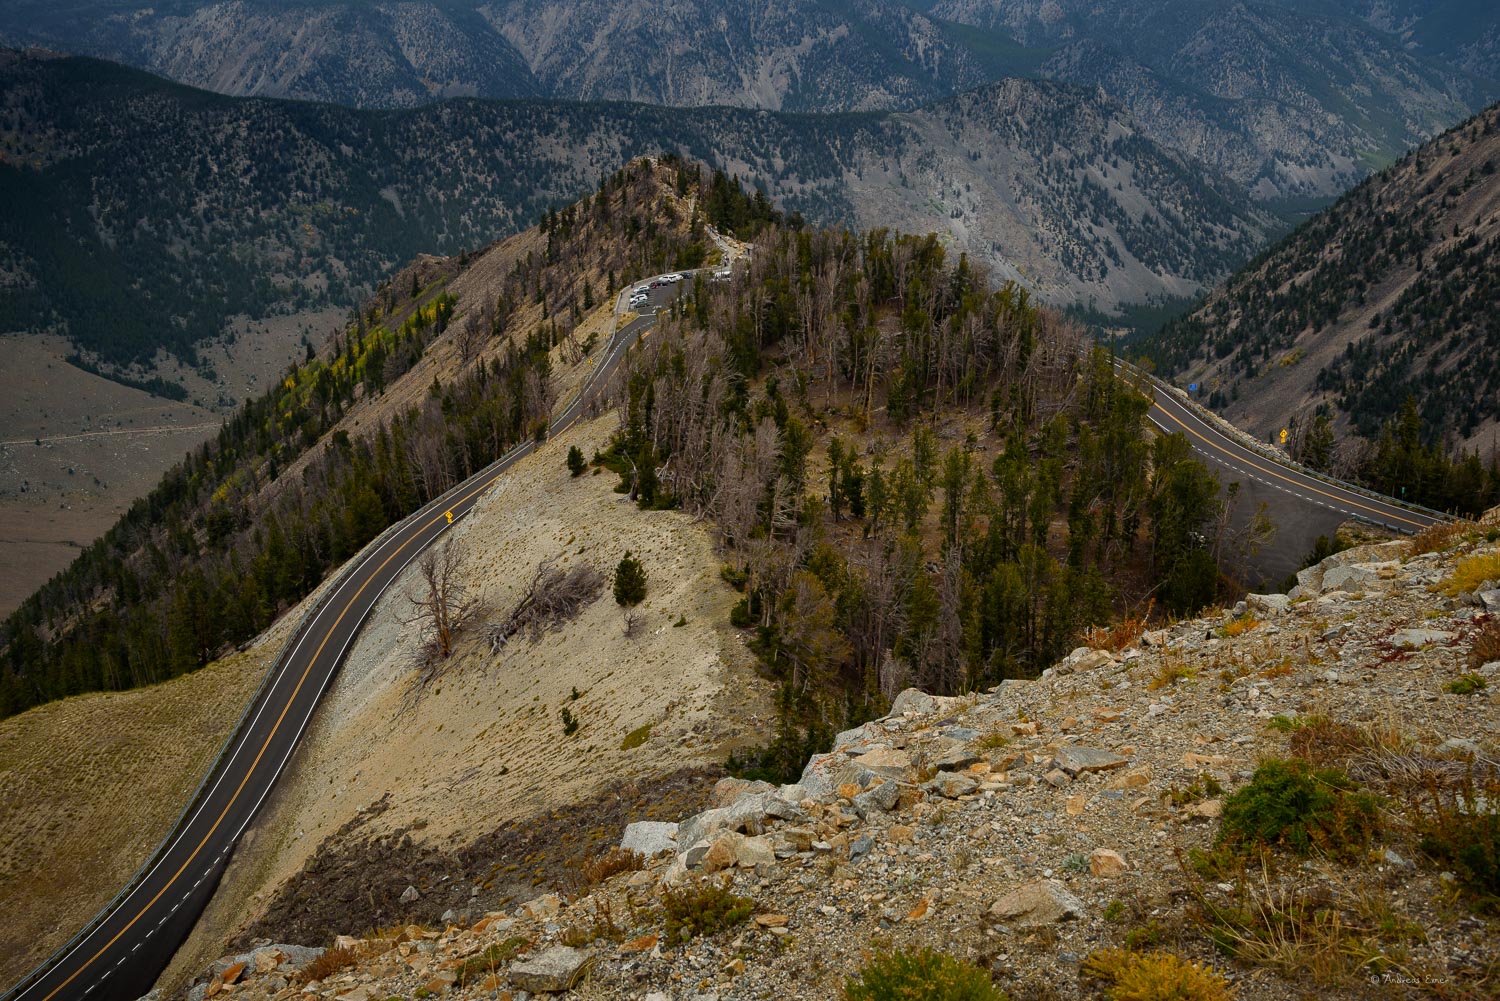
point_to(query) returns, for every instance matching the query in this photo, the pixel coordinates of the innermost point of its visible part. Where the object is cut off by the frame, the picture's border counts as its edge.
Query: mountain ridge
(297, 204)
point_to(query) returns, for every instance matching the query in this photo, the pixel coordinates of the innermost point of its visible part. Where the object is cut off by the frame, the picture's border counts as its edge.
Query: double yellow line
(446, 515)
(1285, 479)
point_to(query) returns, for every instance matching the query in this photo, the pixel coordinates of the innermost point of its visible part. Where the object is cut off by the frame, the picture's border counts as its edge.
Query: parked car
(722, 276)
(674, 278)
(642, 289)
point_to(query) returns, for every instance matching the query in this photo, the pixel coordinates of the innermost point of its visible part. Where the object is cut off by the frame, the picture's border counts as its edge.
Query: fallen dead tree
(554, 596)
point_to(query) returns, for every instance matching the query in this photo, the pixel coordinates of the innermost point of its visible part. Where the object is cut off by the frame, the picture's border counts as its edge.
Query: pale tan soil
(485, 744)
(90, 785)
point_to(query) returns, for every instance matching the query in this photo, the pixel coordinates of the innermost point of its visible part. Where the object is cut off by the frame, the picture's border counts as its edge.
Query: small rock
(1105, 862)
(956, 759)
(543, 908)
(1131, 778)
(1457, 747)
(951, 784)
(232, 974)
(772, 920)
(1268, 604)
(557, 969)
(1391, 858)
(409, 895)
(900, 834)
(1057, 777)
(1027, 729)
(727, 790)
(1076, 759)
(1154, 638)
(643, 944)
(1416, 639)
(1036, 904)
(1209, 809)
(882, 798)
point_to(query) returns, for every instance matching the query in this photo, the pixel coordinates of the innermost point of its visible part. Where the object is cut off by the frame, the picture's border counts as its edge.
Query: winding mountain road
(1302, 504)
(127, 945)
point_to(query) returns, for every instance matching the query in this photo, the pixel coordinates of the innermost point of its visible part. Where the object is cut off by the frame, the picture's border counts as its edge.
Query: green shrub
(1467, 684)
(1155, 976)
(920, 976)
(1460, 828)
(569, 722)
(704, 907)
(1471, 844)
(635, 738)
(1289, 805)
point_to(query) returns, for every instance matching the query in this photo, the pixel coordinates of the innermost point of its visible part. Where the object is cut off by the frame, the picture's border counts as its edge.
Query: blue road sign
(1192, 387)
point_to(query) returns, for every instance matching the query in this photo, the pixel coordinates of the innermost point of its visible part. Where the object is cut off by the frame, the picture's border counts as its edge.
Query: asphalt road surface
(130, 943)
(1302, 506)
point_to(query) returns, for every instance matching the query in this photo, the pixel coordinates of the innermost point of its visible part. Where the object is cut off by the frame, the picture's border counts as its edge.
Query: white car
(722, 276)
(642, 289)
(674, 278)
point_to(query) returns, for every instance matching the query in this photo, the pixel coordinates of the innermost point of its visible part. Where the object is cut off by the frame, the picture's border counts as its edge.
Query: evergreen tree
(576, 464)
(630, 581)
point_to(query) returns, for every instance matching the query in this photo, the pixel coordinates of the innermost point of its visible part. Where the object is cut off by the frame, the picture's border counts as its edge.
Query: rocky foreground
(1026, 829)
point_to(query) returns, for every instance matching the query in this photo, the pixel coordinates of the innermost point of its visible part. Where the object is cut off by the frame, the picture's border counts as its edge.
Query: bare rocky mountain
(1392, 292)
(262, 206)
(1292, 102)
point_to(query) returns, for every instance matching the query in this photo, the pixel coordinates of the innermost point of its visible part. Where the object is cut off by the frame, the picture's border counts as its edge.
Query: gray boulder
(649, 837)
(553, 971)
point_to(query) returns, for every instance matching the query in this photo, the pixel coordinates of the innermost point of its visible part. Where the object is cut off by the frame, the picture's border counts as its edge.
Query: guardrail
(1265, 451)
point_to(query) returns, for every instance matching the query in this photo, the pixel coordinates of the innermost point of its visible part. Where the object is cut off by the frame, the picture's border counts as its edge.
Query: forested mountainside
(917, 478)
(445, 369)
(1390, 295)
(140, 214)
(1294, 101)
(889, 448)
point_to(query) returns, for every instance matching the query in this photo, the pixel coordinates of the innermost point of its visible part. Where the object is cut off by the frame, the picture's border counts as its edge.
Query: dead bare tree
(471, 334)
(553, 596)
(442, 605)
(632, 621)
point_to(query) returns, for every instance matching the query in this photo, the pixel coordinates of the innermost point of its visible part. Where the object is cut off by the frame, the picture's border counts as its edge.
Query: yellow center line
(272, 735)
(1270, 472)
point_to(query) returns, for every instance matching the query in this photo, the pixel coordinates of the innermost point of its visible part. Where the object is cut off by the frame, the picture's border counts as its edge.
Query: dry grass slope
(90, 785)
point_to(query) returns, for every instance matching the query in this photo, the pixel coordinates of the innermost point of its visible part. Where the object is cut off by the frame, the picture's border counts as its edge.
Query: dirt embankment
(485, 746)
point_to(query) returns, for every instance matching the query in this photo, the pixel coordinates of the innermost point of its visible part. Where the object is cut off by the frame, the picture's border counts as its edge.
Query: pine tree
(630, 581)
(576, 464)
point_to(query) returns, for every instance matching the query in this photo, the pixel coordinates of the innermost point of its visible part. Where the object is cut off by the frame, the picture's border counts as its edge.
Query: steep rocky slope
(1031, 828)
(1391, 292)
(1291, 101)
